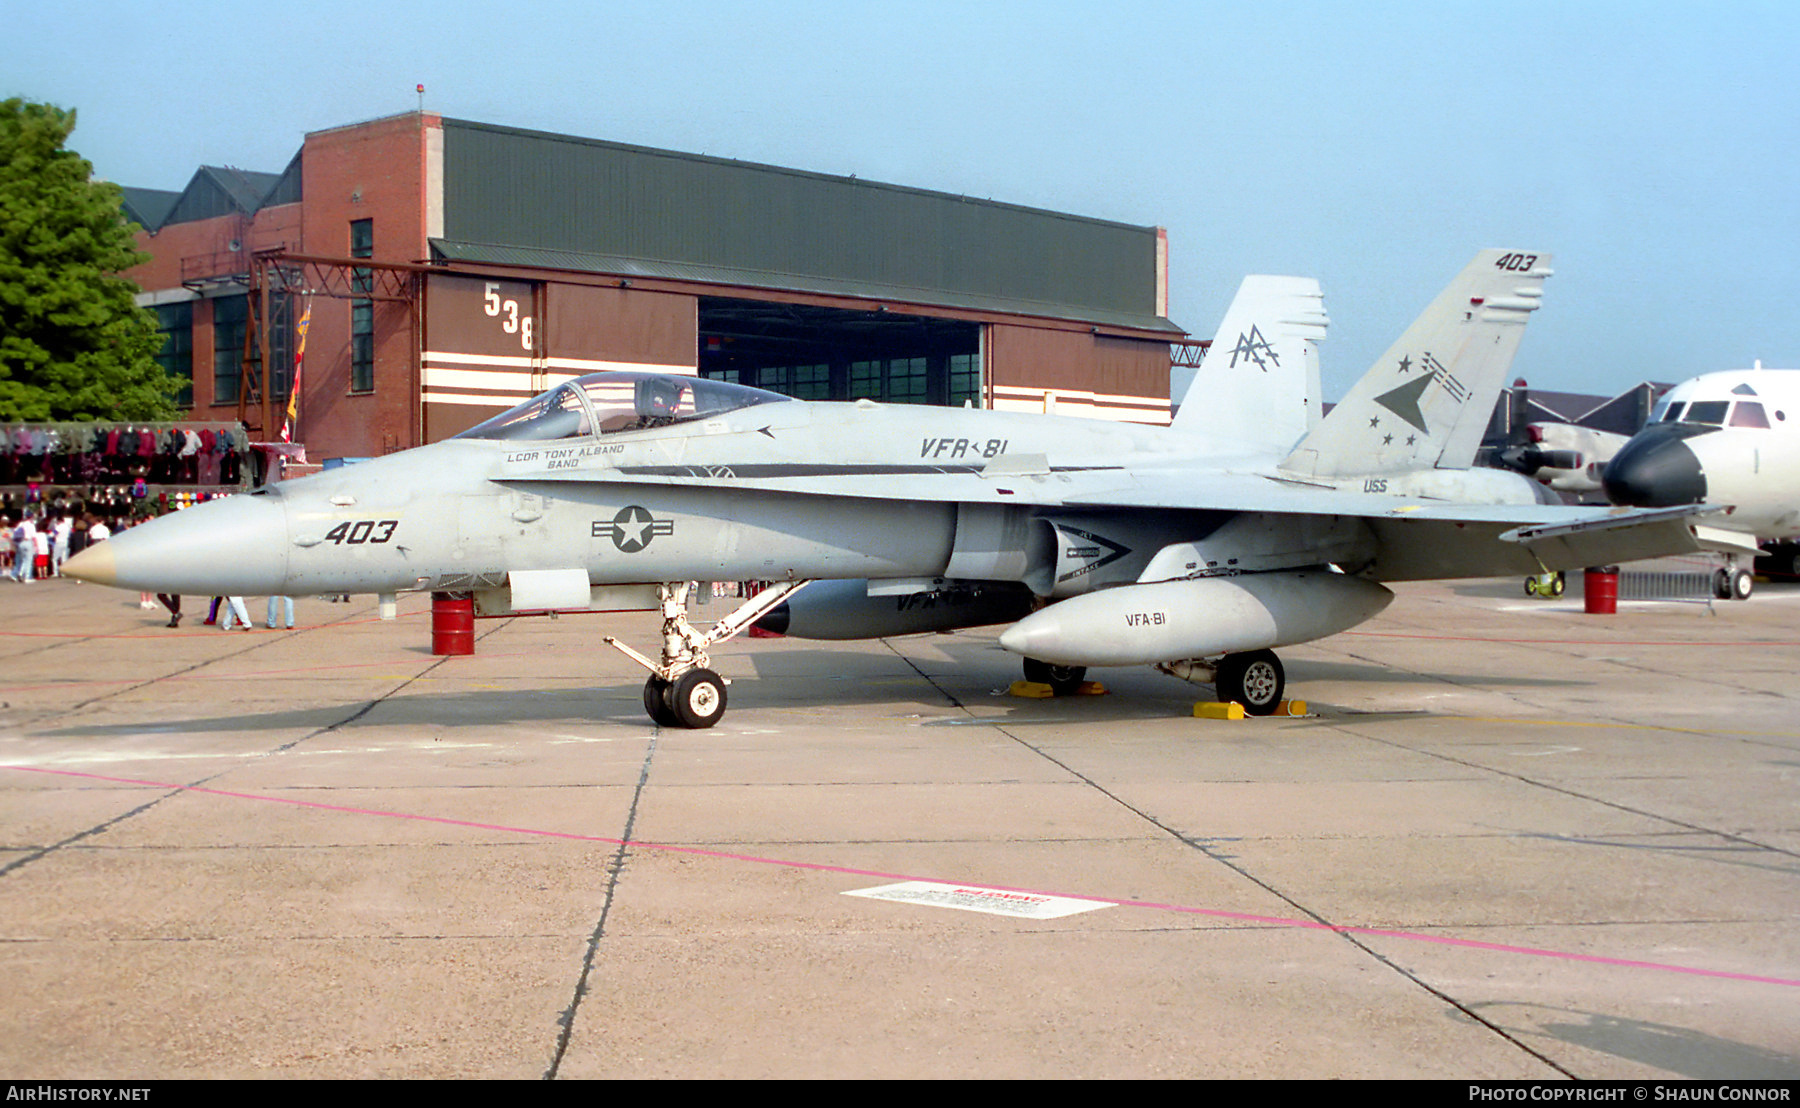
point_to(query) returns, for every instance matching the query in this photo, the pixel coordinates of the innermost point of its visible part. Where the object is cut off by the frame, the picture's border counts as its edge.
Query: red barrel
(452, 623)
(1600, 590)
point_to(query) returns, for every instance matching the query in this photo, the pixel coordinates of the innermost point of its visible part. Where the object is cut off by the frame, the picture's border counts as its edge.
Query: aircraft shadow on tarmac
(1694, 1055)
(974, 675)
(477, 708)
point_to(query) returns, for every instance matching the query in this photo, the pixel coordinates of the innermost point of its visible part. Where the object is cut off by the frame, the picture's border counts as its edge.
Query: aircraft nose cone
(1656, 469)
(235, 546)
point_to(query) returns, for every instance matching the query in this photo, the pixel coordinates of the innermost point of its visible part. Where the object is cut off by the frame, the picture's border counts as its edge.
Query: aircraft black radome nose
(1656, 469)
(235, 546)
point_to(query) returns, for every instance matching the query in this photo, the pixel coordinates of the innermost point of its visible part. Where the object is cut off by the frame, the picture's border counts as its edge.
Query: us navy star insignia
(633, 528)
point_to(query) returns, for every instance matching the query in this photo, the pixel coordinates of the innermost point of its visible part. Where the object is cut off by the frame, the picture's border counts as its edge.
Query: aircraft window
(619, 402)
(1748, 413)
(1672, 413)
(636, 401)
(557, 414)
(1708, 411)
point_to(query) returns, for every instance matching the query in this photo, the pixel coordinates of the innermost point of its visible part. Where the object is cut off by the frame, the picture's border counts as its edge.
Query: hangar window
(802, 382)
(865, 380)
(965, 380)
(231, 314)
(814, 352)
(362, 312)
(176, 323)
(906, 378)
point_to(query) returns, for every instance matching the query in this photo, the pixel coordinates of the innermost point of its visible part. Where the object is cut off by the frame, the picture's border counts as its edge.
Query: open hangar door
(818, 353)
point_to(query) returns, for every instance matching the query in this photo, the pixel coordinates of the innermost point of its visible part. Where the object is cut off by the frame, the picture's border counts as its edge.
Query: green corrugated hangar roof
(531, 198)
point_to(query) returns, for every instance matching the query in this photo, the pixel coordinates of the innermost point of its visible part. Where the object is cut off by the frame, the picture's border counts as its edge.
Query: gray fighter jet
(1247, 524)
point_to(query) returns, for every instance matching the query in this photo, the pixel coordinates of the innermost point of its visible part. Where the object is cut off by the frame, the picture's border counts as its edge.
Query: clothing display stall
(120, 469)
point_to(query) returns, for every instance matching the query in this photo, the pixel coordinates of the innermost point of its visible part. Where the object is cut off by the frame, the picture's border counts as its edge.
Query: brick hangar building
(450, 270)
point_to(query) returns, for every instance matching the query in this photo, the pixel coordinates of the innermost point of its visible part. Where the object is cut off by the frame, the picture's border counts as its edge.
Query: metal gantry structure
(278, 272)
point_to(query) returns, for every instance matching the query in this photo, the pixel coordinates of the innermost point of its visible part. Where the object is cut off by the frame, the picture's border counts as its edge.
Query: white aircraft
(1733, 439)
(1197, 547)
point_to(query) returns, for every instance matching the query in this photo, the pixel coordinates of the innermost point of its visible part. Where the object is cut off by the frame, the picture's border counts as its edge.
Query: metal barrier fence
(1678, 585)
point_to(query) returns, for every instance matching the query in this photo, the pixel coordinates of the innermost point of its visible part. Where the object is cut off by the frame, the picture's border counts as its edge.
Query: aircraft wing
(1419, 538)
(1422, 539)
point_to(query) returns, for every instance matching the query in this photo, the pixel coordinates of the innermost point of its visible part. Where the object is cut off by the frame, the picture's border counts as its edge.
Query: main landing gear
(1253, 678)
(1732, 582)
(682, 690)
(1063, 680)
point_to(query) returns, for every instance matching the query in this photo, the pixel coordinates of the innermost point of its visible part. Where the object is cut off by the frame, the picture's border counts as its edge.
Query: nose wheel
(682, 690)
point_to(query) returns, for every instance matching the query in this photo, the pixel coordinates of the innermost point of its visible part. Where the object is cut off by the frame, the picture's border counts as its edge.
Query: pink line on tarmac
(823, 867)
(1565, 642)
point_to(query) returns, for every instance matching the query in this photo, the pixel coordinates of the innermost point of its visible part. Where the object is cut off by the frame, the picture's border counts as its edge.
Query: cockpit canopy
(608, 403)
(1714, 413)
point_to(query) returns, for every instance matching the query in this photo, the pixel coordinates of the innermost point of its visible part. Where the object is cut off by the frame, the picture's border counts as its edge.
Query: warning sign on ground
(973, 898)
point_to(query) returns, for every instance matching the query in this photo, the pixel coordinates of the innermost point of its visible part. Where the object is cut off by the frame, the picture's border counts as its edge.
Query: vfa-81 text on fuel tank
(1146, 619)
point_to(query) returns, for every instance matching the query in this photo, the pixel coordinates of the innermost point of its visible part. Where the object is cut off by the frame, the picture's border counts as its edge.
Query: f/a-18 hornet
(1248, 523)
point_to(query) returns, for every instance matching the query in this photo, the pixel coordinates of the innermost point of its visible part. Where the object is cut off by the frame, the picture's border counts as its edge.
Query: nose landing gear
(682, 690)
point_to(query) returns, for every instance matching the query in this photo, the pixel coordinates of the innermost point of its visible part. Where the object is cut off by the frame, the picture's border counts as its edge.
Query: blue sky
(1653, 148)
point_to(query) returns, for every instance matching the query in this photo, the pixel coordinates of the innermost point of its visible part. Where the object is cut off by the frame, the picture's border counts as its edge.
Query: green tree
(73, 344)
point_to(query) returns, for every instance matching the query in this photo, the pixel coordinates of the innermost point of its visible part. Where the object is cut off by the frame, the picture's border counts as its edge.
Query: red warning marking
(821, 867)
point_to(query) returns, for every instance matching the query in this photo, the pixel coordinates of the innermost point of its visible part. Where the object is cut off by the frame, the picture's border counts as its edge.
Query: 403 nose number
(363, 530)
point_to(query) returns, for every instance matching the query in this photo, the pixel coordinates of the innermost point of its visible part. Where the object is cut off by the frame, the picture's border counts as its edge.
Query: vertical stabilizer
(1427, 402)
(1259, 381)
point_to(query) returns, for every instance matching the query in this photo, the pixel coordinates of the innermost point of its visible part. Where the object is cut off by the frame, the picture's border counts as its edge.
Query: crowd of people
(36, 546)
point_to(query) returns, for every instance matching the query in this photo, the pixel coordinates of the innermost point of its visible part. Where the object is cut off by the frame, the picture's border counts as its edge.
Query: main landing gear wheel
(1254, 679)
(1732, 583)
(656, 703)
(1063, 680)
(697, 698)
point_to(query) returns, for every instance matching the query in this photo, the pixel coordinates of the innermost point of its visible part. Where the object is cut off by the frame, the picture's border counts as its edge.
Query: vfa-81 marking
(1247, 524)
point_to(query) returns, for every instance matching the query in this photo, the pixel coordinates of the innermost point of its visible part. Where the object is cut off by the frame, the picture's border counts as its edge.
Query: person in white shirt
(24, 538)
(59, 544)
